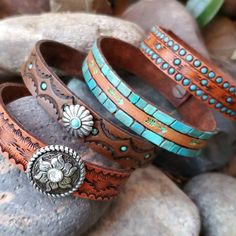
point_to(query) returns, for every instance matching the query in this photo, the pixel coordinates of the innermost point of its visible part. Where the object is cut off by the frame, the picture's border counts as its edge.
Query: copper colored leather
(220, 92)
(121, 56)
(137, 64)
(141, 116)
(108, 141)
(18, 145)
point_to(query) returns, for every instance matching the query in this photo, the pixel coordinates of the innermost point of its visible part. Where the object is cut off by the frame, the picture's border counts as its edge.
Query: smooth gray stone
(78, 30)
(23, 210)
(215, 195)
(150, 204)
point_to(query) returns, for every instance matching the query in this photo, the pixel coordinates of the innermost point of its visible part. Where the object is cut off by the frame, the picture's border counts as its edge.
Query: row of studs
(177, 62)
(130, 122)
(186, 82)
(198, 64)
(146, 107)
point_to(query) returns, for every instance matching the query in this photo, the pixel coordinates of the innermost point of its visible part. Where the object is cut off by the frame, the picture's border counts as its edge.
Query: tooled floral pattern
(18, 147)
(56, 173)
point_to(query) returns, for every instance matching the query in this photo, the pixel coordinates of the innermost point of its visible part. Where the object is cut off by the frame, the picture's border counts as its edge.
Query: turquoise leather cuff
(140, 115)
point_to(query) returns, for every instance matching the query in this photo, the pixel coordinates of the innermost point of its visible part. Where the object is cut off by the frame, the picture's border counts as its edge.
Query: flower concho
(56, 170)
(77, 120)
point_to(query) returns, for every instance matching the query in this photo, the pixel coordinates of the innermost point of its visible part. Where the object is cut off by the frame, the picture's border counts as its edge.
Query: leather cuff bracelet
(54, 170)
(137, 113)
(130, 151)
(192, 71)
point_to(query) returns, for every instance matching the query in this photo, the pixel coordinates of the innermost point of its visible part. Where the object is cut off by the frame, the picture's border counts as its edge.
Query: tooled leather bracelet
(136, 112)
(188, 68)
(129, 150)
(54, 170)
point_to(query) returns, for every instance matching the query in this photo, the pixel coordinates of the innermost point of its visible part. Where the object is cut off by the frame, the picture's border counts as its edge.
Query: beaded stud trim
(189, 69)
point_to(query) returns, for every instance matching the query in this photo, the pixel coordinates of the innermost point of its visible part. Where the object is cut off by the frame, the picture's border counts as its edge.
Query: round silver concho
(77, 120)
(56, 171)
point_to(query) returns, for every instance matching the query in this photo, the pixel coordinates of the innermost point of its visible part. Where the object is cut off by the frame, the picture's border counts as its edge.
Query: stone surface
(229, 8)
(230, 168)
(215, 195)
(75, 29)
(24, 211)
(95, 6)
(169, 14)
(15, 7)
(150, 204)
(220, 38)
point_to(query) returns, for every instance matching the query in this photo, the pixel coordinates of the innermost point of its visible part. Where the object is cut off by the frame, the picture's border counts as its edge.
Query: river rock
(75, 29)
(229, 8)
(150, 204)
(169, 14)
(23, 210)
(215, 195)
(95, 6)
(220, 38)
(12, 7)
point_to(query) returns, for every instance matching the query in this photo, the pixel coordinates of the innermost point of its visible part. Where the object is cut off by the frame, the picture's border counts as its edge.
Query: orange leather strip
(139, 115)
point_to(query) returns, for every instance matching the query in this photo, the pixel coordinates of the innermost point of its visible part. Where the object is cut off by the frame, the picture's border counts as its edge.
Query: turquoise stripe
(133, 97)
(174, 148)
(87, 76)
(124, 89)
(181, 127)
(187, 152)
(150, 109)
(163, 117)
(113, 78)
(102, 97)
(152, 137)
(167, 145)
(140, 103)
(91, 84)
(137, 127)
(124, 118)
(195, 133)
(206, 135)
(105, 69)
(95, 47)
(96, 91)
(110, 106)
(84, 67)
(98, 57)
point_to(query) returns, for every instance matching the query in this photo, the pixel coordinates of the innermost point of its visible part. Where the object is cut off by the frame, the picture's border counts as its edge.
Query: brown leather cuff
(128, 149)
(54, 170)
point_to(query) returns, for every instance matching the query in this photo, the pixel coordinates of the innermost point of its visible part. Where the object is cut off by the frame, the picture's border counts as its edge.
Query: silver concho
(77, 120)
(56, 171)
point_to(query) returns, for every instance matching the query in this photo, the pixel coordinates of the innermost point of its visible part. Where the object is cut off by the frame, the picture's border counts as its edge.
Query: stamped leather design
(18, 145)
(193, 72)
(109, 139)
